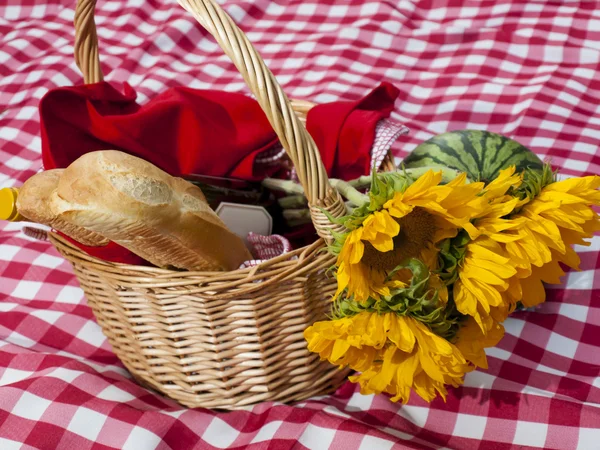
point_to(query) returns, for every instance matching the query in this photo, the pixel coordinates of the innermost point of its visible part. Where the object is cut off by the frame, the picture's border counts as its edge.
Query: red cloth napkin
(185, 131)
(182, 130)
(344, 131)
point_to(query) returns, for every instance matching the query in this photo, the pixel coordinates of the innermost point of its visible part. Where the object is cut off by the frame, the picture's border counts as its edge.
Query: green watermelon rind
(481, 154)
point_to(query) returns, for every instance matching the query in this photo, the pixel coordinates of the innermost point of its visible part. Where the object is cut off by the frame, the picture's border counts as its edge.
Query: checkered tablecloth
(523, 68)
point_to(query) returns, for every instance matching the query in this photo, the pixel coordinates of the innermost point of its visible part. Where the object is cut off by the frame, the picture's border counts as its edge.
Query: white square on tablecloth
(479, 379)
(18, 339)
(580, 280)
(574, 164)
(416, 414)
(49, 261)
(415, 45)
(8, 444)
(7, 306)
(391, 26)
(372, 443)
(575, 312)
(140, 438)
(382, 40)
(87, 423)
(349, 33)
(369, 8)
(562, 345)
(336, 412)
(114, 394)
(550, 370)
(437, 13)
(27, 289)
(588, 438)
(12, 376)
(92, 334)
(470, 426)
(338, 11)
(67, 375)
(18, 163)
(220, 434)
(31, 406)
(306, 9)
(530, 433)
(47, 315)
(315, 437)
(70, 294)
(266, 432)
(446, 107)
(360, 402)
(8, 252)
(559, 111)
(513, 326)
(584, 147)
(481, 106)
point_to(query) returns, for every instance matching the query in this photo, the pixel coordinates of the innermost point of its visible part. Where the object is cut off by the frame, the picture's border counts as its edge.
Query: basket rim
(260, 276)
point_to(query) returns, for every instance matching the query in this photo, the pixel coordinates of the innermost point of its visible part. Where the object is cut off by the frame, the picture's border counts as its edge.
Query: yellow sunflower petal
(533, 291)
(382, 243)
(357, 251)
(422, 184)
(400, 333)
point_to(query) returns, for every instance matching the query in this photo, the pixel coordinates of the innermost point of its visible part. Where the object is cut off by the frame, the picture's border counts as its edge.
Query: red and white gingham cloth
(522, 68)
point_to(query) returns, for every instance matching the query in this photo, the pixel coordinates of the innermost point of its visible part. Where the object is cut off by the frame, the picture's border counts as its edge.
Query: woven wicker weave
(221, 340)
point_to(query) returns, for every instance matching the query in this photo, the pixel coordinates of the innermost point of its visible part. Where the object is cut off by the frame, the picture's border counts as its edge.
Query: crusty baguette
(161, 218)
(33, 203)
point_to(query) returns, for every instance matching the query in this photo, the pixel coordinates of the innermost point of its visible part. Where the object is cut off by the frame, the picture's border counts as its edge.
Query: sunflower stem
(361, 182)
(293, 201)
(290, 214)
(287, 186)
(349, 192)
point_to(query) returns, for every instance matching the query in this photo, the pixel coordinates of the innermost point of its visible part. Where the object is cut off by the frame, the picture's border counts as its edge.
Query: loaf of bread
(33, 203)
(161, 218)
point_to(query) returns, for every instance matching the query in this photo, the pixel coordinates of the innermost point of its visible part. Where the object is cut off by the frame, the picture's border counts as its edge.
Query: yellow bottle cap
(8, 205)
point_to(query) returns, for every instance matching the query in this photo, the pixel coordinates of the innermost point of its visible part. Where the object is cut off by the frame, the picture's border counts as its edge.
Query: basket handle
(294, 137)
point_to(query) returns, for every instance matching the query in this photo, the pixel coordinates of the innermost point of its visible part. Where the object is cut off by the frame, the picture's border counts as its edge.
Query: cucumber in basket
(481, 154)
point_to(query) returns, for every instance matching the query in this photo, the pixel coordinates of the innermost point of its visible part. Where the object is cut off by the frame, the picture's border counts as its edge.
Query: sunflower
(483, 278)
(363, 280)
(402, 220)
(409, 340)
(396, 354)
(528, 229)
(500, 203)
(558, 217)
(481, 269)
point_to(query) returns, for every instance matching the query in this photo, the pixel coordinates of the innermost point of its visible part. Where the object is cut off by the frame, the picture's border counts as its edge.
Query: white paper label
(243, 219)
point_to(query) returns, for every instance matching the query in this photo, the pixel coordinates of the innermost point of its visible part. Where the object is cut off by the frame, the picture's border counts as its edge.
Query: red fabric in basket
(181, 130)
(207, 132)
(344, 131)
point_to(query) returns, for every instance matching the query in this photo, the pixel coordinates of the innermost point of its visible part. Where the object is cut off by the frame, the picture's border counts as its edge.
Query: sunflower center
(417, 229)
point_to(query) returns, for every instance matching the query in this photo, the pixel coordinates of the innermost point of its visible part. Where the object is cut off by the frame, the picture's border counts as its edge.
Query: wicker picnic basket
(213, 339)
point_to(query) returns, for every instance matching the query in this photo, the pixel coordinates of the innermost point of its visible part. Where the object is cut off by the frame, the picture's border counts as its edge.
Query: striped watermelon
(480, 154)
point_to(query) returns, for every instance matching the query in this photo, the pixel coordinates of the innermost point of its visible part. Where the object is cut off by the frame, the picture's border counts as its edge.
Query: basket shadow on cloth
(212, 339)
